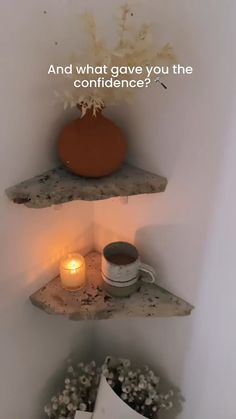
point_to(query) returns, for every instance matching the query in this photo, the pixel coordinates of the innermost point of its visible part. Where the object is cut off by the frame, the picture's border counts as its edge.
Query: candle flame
(73, 264)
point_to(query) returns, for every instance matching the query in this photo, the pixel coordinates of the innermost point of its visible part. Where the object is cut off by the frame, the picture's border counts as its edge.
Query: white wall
(188, 232)
(209, 377)
(185, 134)
(32, 344)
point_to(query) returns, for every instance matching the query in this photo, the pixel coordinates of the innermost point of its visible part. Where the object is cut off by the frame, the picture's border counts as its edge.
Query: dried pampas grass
(133, 48)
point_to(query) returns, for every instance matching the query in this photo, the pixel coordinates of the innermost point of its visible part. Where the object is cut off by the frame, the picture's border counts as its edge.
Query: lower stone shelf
(92, 303)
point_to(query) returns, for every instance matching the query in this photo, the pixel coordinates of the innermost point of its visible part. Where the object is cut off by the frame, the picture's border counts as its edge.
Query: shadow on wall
(81, 351)
(104, 235)
(177, 253)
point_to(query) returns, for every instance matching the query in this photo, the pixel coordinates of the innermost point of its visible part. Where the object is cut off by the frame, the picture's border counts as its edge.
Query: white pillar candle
(72, 272)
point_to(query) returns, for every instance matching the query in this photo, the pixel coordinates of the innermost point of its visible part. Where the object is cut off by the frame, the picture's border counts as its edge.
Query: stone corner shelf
(58, 186)
(92, 303)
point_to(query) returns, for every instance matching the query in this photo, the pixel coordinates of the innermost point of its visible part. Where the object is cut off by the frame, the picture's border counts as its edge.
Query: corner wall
(33, 345)
(182, 134)
(186, 134)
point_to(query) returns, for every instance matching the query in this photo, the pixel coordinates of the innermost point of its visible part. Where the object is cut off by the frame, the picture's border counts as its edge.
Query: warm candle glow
(72, 265)
(72, 272)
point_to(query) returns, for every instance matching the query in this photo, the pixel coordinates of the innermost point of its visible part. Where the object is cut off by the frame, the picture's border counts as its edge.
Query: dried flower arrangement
(139, 388)
(133, 48)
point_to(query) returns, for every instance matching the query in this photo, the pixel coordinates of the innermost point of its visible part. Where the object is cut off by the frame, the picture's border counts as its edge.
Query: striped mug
(121, 269)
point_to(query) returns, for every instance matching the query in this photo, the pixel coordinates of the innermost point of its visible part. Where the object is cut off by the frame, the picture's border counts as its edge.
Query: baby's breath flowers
(79, 392)
(139, 388)
(134, 48)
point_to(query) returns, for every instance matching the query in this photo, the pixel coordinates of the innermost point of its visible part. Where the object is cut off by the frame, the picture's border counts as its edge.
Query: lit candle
(72, 272)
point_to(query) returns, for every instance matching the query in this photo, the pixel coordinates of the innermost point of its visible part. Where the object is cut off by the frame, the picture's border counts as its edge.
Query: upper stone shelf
(58, 186)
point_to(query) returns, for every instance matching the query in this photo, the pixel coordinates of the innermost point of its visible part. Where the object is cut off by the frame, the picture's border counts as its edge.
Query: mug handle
(150, 271)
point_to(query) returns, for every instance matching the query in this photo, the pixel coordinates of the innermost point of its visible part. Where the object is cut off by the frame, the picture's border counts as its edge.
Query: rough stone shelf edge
(58, 186)
(92, 303)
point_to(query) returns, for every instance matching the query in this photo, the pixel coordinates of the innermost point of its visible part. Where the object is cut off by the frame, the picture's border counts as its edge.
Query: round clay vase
(92, 146)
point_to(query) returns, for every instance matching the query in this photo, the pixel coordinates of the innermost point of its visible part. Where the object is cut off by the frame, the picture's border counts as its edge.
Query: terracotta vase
(92, 146)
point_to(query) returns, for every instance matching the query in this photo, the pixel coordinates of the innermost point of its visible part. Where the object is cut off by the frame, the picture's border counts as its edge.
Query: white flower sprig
(79, 392)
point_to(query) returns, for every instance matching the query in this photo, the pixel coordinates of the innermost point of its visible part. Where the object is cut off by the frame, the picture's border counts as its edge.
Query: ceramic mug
(122, 269)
